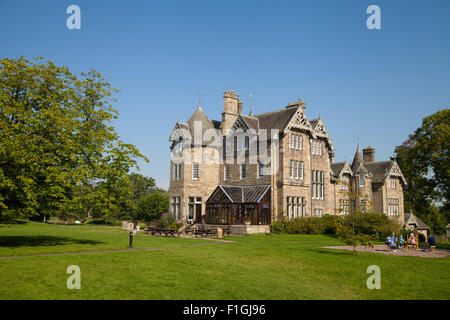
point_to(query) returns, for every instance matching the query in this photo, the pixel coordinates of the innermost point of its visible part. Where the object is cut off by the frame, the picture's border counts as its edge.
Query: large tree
(425, 162)
(151, 207)
(56, 137)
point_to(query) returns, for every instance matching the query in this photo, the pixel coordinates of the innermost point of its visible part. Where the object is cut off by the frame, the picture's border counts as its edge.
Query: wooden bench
(199, 231)
(171, 232)
(427, 247)
(161, 231)
(203, 232)
(190, 230)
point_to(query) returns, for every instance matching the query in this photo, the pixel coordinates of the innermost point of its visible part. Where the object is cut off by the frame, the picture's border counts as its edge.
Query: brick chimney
(369, 154)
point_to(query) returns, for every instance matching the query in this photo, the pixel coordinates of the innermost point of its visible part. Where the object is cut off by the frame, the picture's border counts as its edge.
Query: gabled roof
(339, 168)
(276, 119)
(336, 168)
(245, 123)
(381, 170)
(319, 130)
(180, 132)
(252, 122)
(411, 219)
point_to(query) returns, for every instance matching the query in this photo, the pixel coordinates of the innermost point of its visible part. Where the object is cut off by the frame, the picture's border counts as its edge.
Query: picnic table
(204, 232)
(161, 231)
(409, 245)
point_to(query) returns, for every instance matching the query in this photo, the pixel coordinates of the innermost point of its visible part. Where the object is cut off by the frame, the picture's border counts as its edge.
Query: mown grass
(39, 238)
(252, 267)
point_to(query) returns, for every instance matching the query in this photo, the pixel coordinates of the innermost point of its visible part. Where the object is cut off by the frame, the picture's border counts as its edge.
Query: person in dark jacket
(431, 241)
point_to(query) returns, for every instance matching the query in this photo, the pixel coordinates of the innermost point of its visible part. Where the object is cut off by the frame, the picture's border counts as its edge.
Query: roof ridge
(279, 110)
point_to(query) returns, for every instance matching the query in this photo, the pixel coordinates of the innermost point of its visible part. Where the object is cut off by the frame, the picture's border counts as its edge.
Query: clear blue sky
(375, 84)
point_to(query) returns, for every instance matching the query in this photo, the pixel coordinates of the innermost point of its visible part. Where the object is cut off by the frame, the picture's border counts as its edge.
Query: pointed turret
(357, 159)
(199, 118)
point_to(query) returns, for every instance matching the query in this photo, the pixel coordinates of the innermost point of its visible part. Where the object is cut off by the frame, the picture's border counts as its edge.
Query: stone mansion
(299, 177)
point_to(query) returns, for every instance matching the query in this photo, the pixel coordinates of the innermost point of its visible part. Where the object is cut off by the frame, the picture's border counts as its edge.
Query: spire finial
(251, 104)
(200, 100)
(358, 142)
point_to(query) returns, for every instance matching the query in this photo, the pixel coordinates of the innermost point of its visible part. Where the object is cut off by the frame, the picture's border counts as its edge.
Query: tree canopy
(425, 162)
(57, 141)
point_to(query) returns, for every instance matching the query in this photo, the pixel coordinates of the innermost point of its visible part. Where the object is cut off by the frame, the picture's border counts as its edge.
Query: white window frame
(195, 170)
(301, 169)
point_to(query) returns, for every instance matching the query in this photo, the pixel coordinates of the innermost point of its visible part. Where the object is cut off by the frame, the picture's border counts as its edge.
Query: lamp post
(131, 240)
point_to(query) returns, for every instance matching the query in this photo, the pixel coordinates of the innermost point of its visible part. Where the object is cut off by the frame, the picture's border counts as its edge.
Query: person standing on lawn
(400, 241)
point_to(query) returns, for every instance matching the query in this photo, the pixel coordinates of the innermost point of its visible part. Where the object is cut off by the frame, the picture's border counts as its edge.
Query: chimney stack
(232, 107)
(369, 154)
(298, 103)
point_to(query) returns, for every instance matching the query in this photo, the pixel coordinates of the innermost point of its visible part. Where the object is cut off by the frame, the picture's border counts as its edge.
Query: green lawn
(252, 267)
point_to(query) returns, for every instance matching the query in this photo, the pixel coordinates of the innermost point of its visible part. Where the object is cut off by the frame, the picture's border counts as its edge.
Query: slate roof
(199, 115)
(412, 219)
(378, 169)
(276, 119)
(314, 123)
(252, 122)
(336, 167)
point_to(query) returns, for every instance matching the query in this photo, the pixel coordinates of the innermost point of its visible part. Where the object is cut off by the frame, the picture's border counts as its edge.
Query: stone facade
(304, 179)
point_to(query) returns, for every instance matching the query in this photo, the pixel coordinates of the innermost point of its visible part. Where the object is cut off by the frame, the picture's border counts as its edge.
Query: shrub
(167, 221)
(278, 227)
(308, 225)
(104, 221)
(369, 223)
(365, 224)
(331, 223)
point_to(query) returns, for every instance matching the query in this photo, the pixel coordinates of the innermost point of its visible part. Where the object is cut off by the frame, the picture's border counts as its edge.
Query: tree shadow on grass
(34, 241)
(336, 252)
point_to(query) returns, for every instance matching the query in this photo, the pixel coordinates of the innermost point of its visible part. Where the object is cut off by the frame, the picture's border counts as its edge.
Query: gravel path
(382, 249)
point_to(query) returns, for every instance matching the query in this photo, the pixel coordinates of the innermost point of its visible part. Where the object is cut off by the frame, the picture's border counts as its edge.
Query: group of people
(395, 243)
